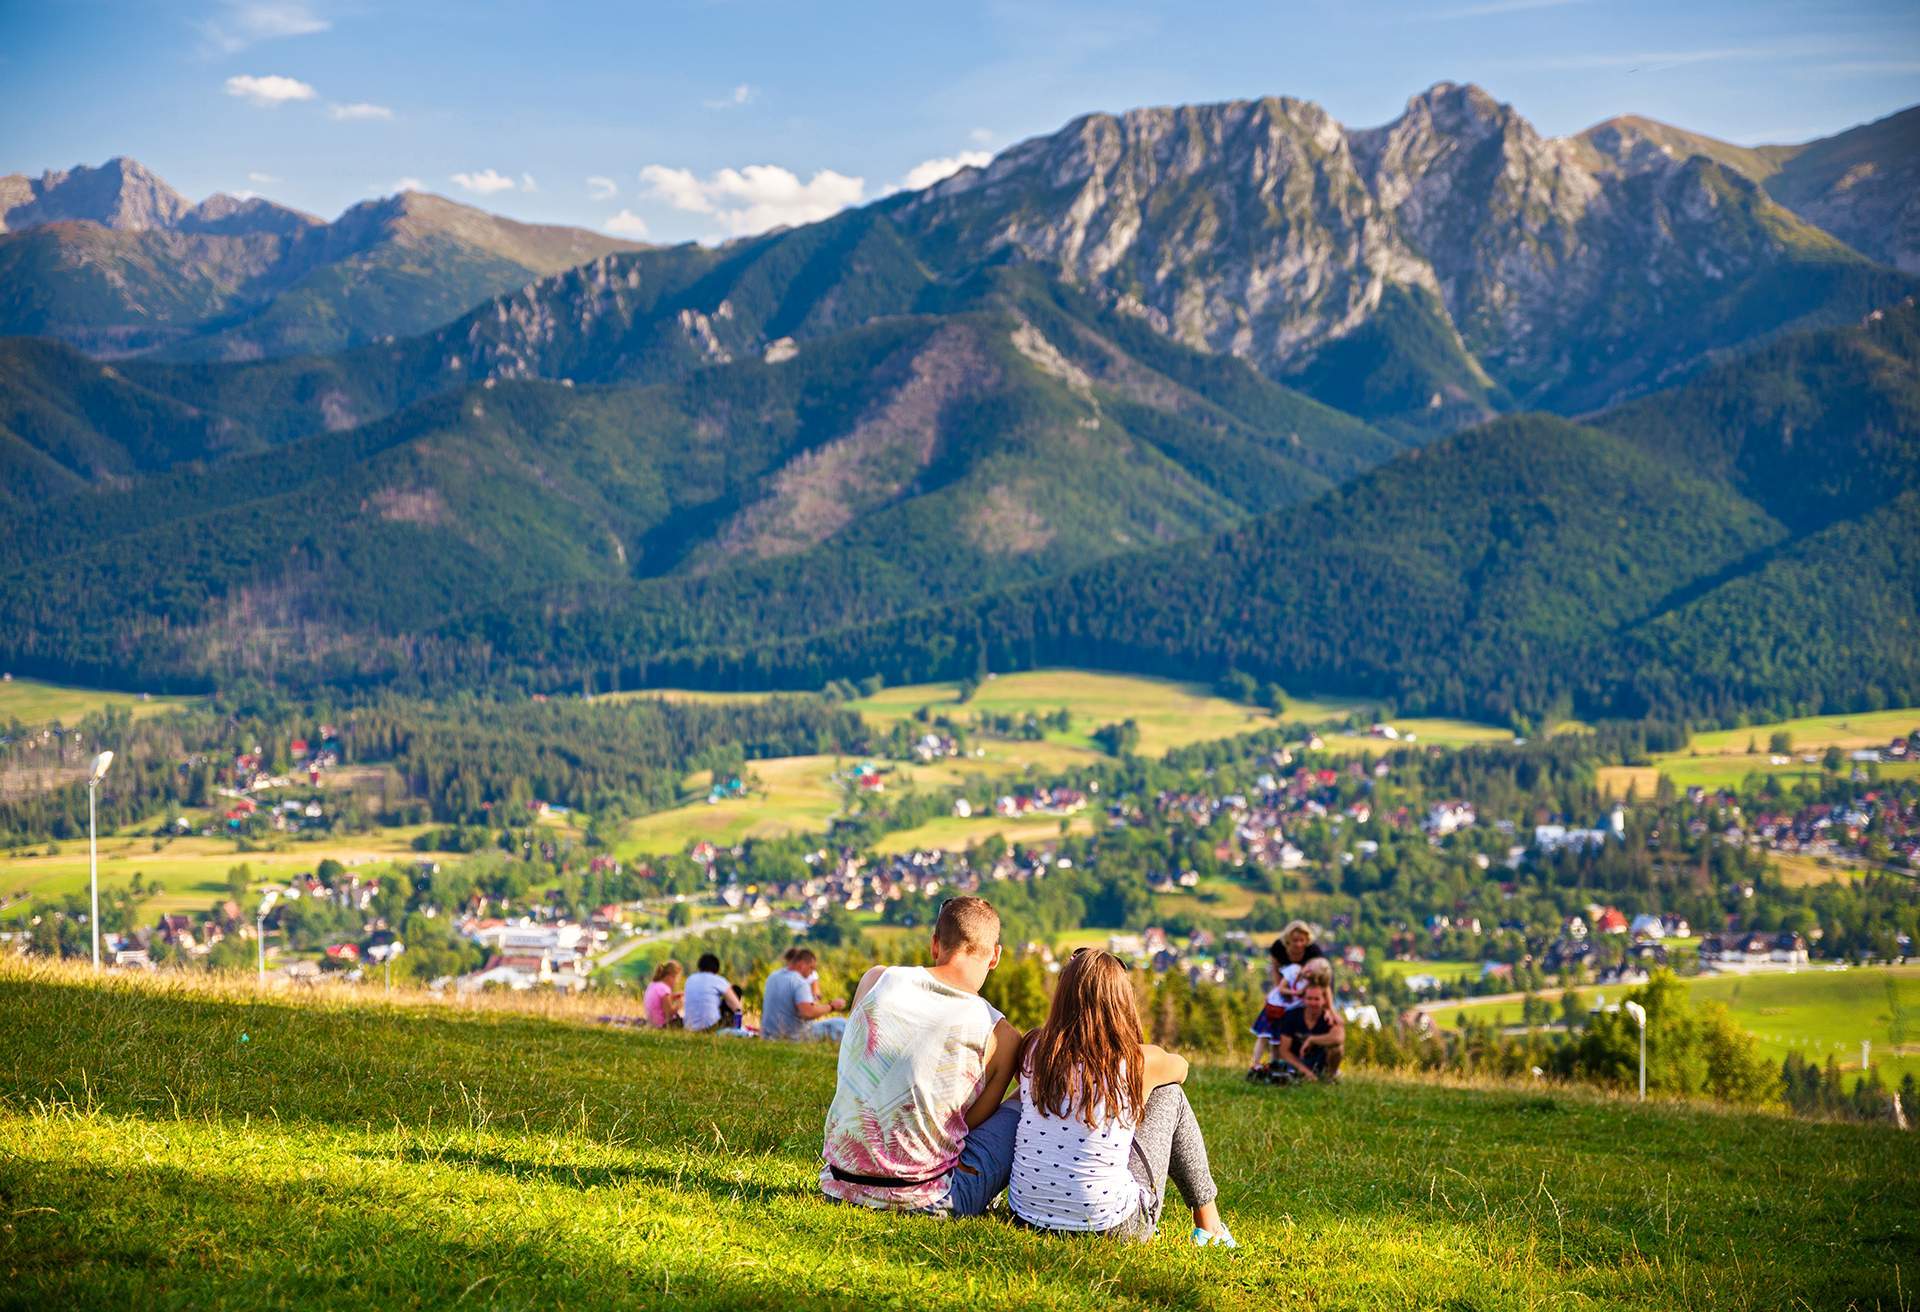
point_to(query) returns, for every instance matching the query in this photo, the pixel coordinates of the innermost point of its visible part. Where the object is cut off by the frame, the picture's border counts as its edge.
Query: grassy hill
(195, 1146)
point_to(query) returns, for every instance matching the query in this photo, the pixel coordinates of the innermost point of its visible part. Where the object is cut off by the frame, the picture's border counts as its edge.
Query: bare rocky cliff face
(1268, 230)
(1425, 273)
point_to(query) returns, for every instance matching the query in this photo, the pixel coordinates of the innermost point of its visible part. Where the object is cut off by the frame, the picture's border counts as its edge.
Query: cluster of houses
(526, 953)
(1831, 829)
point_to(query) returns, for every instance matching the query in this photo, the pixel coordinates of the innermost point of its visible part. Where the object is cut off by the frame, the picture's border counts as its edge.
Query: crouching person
(1313, 1037)
(917, 1122)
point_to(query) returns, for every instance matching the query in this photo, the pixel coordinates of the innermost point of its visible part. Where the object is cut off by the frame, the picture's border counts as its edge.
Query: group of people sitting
(940, 1103)
(707, 1000)
(1299, 1034)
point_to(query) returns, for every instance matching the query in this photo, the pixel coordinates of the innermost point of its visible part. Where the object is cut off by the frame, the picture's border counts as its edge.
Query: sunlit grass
(188, 1148)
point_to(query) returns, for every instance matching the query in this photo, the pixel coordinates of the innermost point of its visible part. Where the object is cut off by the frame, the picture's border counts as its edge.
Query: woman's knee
(1169, 1100)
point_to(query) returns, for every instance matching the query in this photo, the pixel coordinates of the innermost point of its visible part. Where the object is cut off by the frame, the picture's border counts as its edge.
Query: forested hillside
(918, 460)
(1150, 392)
(1740, 543)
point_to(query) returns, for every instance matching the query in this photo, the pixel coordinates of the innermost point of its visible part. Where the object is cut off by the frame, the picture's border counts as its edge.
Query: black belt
(880, 1181)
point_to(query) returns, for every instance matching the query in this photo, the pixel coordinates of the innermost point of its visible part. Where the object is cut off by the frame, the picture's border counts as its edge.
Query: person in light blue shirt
(791, 1009)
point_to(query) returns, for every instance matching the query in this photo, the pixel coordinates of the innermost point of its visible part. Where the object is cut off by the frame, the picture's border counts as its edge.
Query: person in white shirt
(710, 998)
(1103, 1121)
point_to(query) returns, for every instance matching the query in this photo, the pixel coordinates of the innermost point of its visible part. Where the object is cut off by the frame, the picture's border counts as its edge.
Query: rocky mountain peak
(122, 194)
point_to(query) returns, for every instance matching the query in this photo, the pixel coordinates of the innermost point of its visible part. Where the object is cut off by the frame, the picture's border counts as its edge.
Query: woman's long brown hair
(1089, 1049)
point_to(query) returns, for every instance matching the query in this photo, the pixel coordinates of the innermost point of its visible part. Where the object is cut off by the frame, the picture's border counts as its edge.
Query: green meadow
(33, 702)
(191, 870)
(1815, 1012)
(171, 1147)
(1170, 713)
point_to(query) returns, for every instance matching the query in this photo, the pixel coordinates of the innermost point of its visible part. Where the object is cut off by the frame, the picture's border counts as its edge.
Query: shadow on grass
(163, 1236)
(688, 1174)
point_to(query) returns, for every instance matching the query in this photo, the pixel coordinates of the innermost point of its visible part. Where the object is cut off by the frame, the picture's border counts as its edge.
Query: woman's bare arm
(1162, 1067)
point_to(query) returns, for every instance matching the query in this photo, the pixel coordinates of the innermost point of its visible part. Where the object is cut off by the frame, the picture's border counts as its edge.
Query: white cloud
(981, 136)
(734, 99)
(272, 89)
(527, 183)
(243, 23)
(485, 182)
(261, 177)
(407, 184)
(627, 224)
(359, 109)
(928, 172)
(602, 188)
(757, 197)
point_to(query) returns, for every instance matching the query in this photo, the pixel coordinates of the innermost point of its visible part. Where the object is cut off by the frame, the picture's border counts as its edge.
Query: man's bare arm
(1333, 1038)
(867, 981)
(1003, 1050)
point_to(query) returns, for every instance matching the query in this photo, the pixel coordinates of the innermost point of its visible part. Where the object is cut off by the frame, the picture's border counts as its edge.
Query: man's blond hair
(967, 924)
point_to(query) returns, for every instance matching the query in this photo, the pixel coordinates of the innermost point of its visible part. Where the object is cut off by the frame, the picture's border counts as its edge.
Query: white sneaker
(1203, 1238)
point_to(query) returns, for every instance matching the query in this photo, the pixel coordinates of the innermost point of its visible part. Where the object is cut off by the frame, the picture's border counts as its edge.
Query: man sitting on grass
(790, 1011)
(1313, 1037)
(710, 1000)
(917, 1122)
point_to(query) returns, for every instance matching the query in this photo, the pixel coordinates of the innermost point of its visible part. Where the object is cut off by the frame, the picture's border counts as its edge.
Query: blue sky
(679, 119)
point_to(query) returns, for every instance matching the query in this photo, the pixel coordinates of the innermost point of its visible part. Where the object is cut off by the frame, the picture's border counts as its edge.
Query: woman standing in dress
(1104, 1123)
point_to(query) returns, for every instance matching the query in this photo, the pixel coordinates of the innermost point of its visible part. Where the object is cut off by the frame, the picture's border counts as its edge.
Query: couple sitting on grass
(1299, 1024)
(1098, 1127)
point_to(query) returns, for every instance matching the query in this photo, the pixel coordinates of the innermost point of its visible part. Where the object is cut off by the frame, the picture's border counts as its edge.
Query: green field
(1814, 1012)
(31, 701)
(191, 870)
(1814, 732)
(1447, 971)
(801, 798)
(1426, 733)
(797, 794)
(251, 1152)
(1169, 713)
(1720, 759)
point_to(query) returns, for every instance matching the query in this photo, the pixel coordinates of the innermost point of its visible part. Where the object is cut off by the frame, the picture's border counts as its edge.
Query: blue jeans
(986, 1161)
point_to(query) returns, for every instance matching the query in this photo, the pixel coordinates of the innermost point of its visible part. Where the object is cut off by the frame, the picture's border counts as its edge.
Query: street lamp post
(94, 776)
(1639, 1014)
(260, 930)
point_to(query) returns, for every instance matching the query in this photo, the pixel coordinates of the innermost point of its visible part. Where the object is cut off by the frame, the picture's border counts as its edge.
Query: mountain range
(1443, 410)
(114, 261)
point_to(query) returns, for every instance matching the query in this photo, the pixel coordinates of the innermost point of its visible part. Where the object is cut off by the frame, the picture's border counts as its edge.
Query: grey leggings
(1167, 1145)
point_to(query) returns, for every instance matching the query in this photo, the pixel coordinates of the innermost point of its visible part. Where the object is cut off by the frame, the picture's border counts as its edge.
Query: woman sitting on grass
(1103, 1121)
(663, 998)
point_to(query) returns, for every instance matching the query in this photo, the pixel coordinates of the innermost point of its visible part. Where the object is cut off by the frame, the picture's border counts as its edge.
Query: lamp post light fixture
(260, 930)
(1639, 1014)
(384, 953)
(94, 776)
